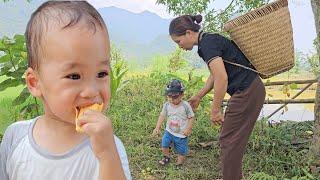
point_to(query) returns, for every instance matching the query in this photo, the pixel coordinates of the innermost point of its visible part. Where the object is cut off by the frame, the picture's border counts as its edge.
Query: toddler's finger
(97, 127)
(90, 116)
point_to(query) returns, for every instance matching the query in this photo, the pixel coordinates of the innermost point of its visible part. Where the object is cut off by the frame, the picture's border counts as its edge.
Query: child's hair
(66, 14)
(181, 24)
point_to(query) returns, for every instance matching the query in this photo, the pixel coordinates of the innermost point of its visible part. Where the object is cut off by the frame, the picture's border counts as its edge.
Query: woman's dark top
(211, 46)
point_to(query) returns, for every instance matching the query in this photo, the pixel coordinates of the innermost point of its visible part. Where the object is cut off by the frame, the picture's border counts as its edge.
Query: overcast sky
(301, 15)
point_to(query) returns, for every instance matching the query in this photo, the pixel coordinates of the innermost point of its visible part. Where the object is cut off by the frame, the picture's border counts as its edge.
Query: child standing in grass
(69, 64)
(179, 116)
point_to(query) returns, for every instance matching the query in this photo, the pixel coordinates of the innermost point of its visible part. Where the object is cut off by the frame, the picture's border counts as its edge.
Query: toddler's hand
(155, 132)
(187, 132)
(99, 129)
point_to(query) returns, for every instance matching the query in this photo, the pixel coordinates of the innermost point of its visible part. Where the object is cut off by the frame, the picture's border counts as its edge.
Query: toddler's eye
(73, 76)
(102, 74)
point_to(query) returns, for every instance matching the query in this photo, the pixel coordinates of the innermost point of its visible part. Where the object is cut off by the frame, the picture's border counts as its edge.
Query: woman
(244, 86)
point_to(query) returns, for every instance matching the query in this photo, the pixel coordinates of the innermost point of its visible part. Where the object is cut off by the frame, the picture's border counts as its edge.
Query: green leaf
(19, 38)
(30, 109)
(2, 46)
(18, 74)
(9, 83)
(120, 76)
(5, 68)
(8, 41)
(17, 48)
(24, 55)
(23, 96)
(122, 85)
(4, 58)
(13, 63)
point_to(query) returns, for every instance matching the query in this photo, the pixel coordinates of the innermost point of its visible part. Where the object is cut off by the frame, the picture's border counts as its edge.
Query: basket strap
(232, 63)
(240, 65)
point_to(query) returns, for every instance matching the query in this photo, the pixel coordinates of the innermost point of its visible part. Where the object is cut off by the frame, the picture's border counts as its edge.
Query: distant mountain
(139, 28)
(138, 35)
(14, 16)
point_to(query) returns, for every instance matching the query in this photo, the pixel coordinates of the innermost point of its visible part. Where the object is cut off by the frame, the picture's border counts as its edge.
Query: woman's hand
(194, 102)
(216, 116)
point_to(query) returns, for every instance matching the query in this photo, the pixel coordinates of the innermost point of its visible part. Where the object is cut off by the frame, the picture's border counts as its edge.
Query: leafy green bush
(13, 63)
(118, 70)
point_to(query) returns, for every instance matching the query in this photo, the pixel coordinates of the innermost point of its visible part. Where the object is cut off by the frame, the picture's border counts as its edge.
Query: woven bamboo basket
(265, 37)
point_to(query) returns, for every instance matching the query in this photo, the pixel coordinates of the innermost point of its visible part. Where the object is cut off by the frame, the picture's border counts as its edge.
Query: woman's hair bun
(197, 18)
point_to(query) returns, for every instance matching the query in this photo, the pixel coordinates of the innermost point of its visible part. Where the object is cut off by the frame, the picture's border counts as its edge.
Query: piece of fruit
(95, 107)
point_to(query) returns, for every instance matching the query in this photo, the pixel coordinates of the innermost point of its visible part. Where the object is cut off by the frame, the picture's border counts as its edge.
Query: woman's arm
(207, 87)
(220, 79)
(195, 100)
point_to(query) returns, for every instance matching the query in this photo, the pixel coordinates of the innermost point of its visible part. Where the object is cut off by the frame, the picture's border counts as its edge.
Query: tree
(214, 18)
(314, 151)
(177, 60)
(13, 63)
(314, 63)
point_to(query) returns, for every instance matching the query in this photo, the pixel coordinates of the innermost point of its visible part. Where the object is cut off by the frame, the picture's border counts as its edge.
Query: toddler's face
(175, 99)
(74, 71)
